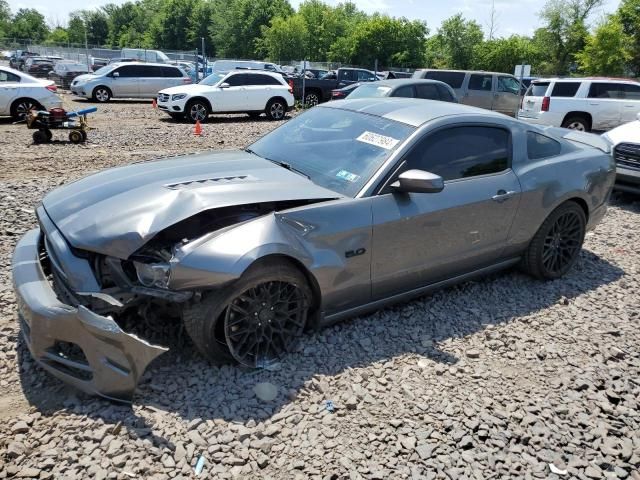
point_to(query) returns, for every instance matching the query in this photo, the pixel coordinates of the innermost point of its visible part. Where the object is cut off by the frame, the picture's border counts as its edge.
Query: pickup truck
(319, 90)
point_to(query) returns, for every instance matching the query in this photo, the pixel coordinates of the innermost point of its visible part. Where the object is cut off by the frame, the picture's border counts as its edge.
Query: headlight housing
(178, 96)
(153, 275)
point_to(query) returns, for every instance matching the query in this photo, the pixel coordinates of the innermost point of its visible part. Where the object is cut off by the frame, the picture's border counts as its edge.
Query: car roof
(461, 71)
(398, 82)
(586, 79)
(147, 64)
(408, 110)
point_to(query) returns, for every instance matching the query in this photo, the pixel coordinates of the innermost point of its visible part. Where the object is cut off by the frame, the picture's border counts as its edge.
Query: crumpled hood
(117, 211)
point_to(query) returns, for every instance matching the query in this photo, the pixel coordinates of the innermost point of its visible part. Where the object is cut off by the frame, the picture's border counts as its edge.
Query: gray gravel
(506, 377)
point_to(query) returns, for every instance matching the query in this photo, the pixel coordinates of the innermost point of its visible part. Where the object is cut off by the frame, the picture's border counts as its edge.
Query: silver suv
(489, 90)
(128, 80)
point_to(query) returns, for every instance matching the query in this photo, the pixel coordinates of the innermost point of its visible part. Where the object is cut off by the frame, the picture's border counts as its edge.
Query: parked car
(316, 72)
(225, 66)
(6, 54)
(625, 141)
(123, 60)
(388, 75)
(583, 104)
(319, 90)
(344, 209)
(408, 88)
(344, 92)
(240, 91)
(97, 63)
(38, 66)
(128, 80)
(17, 60)
(63, 72)
(493, 91)
(20, 92)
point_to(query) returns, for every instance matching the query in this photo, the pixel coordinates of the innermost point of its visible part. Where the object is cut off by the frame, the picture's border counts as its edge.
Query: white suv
(581, 103)
(240, 91)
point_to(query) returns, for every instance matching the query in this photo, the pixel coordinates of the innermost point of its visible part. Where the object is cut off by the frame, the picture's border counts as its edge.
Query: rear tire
(556, 245)
(577, 122)
(75, 136)
(21, 107)
(311, 99)
(223, 325)
(40, 136)
(101, 94)
(276, 109)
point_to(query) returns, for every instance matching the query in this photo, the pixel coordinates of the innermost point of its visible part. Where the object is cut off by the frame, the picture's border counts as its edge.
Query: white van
(143, 55)
(225, 66)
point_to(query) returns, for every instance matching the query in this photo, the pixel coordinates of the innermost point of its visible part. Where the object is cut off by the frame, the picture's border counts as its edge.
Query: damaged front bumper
(82, 348)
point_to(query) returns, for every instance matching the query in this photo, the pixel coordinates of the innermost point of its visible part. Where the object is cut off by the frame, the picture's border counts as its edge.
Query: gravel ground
(506, 377)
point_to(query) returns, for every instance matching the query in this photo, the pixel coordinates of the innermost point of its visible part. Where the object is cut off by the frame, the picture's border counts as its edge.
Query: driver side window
(462, 152)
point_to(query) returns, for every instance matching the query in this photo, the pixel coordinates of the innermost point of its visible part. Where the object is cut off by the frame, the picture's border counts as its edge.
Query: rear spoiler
(582, 138)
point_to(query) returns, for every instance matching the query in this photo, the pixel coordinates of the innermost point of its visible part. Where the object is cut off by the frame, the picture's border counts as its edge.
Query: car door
(125, 83)
(506, 97)
(232, 98)
(422, 238)
(605, 101)
(173, 77)
(479, 91)
(631, 106)
(9, 88)
(257, 91)
(151, 81)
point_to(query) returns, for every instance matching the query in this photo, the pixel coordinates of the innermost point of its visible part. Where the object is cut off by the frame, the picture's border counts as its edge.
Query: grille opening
(628, 155)
(69, 358)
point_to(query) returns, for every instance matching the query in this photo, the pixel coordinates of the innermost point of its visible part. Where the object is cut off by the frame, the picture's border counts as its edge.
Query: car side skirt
(405, 296)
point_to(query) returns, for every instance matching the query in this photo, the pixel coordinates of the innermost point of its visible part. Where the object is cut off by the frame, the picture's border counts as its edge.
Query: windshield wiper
(286, 165)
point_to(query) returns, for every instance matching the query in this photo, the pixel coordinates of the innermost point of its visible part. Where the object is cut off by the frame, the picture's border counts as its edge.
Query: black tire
(197, 110)
(311, 99)
(49, 135)
(577, 122)
(212, 324)
(101, 94)
(21, 107)
(75, 136)
(556, 245)
(40, 136)
(276, 109)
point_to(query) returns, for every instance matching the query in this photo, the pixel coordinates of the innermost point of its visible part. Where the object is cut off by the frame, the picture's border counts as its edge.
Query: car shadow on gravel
(181, 383)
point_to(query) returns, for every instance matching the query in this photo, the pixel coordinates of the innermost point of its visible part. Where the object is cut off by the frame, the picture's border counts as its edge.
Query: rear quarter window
(541, 146)
(171, 72)
(565, 89)
(453, 79)
(537, 89)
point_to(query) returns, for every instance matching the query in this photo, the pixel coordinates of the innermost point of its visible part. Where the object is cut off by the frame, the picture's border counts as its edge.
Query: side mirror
(115, 74)
(224, 85)
(418, 181)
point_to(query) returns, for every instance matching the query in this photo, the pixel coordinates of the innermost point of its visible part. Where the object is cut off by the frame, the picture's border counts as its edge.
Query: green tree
(129, 23)
(199, 23)
(75, 28)
(564, 34)
(503, 54)
(57, 36)
(629, 17)
(454, 44)
(170, 27)
(28, 23)
(237, 24)
(286, 39)
(5, 18)
(607, 50)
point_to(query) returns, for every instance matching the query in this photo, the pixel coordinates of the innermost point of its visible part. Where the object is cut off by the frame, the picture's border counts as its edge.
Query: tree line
(567, 42)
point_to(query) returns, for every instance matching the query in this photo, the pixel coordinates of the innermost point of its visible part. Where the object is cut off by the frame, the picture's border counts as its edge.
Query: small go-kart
(58, 118)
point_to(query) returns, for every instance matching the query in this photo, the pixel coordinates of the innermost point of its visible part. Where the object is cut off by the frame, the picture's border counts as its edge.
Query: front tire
(197, 110)
(101, 94)
(556, 245)
(255, 320)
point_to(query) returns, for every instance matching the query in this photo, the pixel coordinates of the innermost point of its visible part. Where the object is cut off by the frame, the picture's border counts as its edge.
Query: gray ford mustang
(346, 208)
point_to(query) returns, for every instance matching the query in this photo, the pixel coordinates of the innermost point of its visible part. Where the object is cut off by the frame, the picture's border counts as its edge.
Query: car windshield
(104, 70)
(212, 79)
(366, 91)
(337, 149)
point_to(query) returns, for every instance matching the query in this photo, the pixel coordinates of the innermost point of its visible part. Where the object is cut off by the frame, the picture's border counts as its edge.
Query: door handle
(593, 103)
(630, 106)
(503, 195)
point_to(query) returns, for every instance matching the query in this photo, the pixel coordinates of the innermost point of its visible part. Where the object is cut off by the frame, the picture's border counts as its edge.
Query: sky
(513, 16)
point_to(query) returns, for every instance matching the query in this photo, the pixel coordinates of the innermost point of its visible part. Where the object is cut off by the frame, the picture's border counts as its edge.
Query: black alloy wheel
(562, 243)
(263, 322)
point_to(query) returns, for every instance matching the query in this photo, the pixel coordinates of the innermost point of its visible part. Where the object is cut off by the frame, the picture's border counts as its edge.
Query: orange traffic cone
(154, 104)
(197, 130)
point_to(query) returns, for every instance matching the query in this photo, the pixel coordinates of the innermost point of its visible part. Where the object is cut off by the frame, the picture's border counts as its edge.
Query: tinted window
(606, 90)
(364, 76)
(462, 152)
(537, 89)
(541, 146)
(480, 82)
(428, 91)
(129, 71)
(509, 85)
(171, 72)
(406, 91)
(632, 92)
(453, 79)
(565, 89)
(445, 93)
(237, 80)
(8, 77)
(253, 79)
(348, 75)
(151, 71)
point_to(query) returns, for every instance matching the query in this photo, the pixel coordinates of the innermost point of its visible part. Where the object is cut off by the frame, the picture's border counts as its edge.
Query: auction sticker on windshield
(378, 140)
(348, 176)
